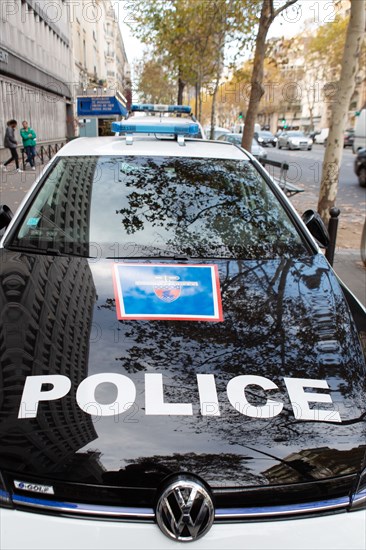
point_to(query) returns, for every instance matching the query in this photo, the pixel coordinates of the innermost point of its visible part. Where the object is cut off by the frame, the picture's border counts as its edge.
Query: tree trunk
(257, 91)
(219, 67)
(196, 99)
(200, 97)
(213, 107)
(339, 110)
(268, 14)
(311, 116)
(181, 86)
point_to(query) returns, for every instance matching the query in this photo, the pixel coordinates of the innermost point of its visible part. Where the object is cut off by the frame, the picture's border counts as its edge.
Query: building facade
(99, 55)
(35, 67)
(49, 53)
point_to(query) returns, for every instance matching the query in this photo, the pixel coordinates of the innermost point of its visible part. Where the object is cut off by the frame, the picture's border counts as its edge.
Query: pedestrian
(29, 143)
(11, 143)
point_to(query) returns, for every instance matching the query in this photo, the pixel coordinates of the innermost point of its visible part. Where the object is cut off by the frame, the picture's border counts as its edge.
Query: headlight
(260, 140)
(5, 499)
(275, 139)
(358, 499)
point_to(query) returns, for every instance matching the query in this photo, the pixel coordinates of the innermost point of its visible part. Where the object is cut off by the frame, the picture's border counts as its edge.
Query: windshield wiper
(175, 257)
(49, 251)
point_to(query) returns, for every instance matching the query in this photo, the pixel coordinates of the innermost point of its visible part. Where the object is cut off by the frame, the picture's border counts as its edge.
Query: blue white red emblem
(167, 289)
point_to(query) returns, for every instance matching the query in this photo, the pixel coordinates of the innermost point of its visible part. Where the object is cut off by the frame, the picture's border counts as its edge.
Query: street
(305, 171)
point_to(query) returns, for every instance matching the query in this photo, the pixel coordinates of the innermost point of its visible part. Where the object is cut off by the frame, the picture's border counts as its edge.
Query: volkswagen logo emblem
(185, 510)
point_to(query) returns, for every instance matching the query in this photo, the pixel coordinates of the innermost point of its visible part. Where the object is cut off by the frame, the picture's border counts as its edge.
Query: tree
(154, 82)
(267, 16)
(191, 35)
(327, 45)
(181, 34)
(339, 109)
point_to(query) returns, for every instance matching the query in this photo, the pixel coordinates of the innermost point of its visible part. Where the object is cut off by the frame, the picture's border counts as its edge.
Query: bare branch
(284, 7)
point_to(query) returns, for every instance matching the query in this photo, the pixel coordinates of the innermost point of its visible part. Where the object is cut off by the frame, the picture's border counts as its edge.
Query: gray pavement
(347, 263)
(349, 267)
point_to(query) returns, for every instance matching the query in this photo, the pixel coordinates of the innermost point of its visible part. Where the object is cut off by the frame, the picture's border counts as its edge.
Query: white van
(360, 132)
(322, 137)
(239, 128)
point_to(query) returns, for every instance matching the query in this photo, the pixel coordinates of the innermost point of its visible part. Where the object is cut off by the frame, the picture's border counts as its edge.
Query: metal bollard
(332, 230)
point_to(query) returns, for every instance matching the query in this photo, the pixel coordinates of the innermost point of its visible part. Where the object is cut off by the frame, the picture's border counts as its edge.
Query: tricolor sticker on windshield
(170, 292)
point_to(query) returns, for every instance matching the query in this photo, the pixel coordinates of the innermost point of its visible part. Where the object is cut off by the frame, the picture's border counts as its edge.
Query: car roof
(151, 146)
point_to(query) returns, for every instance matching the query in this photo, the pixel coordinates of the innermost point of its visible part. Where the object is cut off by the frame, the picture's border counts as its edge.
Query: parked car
(179, 362)
(360, 167)
(257, 151)
(265, 138)
(217, 132)
(294, 140)
(348, 137)
(322, 136)
(360, 132)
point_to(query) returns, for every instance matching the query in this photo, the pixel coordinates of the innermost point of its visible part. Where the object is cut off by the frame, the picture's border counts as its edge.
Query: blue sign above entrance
(99, 106)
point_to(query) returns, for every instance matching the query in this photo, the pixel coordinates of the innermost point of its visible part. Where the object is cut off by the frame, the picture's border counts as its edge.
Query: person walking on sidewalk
(29, 142)
(11, 143)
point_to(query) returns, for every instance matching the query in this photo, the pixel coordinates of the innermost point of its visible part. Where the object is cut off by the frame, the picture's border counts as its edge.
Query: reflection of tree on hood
(280, 319)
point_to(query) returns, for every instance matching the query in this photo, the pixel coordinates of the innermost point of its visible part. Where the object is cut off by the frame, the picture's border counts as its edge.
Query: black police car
(178, 359)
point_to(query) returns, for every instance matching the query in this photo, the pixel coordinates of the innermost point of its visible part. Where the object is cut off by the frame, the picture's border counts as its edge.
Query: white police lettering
(154, 399)
(236, 394)
(126, 394)
(208, 395)
(300, 400)
(237, 388)
(33, 394)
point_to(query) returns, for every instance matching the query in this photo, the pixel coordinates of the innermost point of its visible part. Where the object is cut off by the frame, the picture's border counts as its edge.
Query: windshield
(156, 207)
(295, 134)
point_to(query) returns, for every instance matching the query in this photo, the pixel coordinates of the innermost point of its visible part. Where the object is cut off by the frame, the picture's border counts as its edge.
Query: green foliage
(328, 42)
(190, 35)
(154, 83)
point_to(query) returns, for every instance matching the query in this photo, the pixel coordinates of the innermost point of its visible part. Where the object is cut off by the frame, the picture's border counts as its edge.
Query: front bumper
(300, 146)
(33, 531)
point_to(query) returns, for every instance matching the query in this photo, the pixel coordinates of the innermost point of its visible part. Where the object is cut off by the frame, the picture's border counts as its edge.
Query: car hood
(283, 319)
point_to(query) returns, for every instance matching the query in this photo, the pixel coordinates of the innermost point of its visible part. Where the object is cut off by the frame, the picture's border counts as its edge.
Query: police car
(179, 363)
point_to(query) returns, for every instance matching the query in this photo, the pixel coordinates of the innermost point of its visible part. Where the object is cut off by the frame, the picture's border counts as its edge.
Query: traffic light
(284, 123)
(240, 116)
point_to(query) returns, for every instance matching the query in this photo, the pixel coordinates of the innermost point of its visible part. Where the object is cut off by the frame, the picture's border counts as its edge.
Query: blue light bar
(152, 108)
(183, 129)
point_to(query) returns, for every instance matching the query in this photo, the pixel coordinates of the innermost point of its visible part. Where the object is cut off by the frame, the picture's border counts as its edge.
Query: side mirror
(5, 216)
(315, 224)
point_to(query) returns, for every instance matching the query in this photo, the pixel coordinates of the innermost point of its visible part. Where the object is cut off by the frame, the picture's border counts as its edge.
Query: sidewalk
(347, 262)
(14, 186)
(349, 267)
